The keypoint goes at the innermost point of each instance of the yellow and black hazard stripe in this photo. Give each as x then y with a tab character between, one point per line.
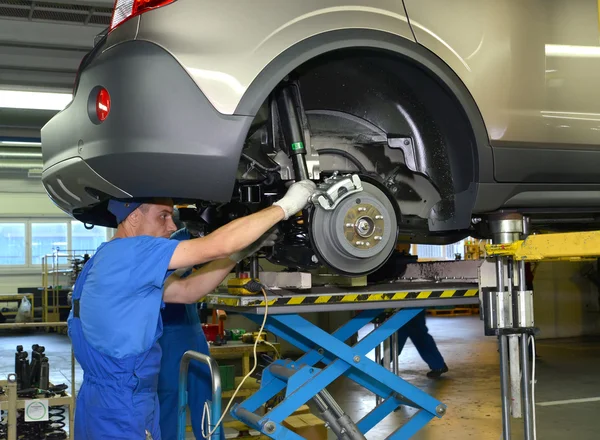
298	300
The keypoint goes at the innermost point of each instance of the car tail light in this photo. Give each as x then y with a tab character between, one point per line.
102	104
126	9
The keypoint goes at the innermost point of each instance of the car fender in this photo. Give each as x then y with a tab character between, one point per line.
320	44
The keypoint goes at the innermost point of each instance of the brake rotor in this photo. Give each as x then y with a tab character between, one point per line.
359	235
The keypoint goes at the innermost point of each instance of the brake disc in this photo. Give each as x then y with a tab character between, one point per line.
356	233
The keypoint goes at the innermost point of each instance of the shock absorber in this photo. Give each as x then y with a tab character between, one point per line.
289	108
290	114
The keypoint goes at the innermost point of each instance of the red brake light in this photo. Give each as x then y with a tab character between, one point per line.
126	9
102	104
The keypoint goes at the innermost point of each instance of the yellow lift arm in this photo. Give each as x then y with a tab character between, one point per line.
571	246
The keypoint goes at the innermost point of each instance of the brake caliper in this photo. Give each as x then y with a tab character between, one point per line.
334	189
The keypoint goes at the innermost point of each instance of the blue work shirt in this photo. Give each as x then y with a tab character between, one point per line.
122	296
174	313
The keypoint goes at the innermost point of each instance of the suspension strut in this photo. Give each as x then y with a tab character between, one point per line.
289	108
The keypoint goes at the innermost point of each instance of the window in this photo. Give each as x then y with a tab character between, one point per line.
429	252
12	244
46	238
23	242
434	252
83	239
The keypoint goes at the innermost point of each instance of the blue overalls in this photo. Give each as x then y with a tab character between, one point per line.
117	399
179	336
416	330
182	331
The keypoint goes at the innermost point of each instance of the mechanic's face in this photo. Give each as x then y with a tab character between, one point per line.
156	219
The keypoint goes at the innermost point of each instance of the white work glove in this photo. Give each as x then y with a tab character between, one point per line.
268	239
296	198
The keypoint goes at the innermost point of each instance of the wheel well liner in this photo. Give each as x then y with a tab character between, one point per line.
409	51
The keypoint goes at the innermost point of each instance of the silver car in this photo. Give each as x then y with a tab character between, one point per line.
418	118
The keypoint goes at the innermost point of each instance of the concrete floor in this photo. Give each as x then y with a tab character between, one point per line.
566	369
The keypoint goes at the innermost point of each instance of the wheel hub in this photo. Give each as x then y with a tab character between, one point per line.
359	234
364	226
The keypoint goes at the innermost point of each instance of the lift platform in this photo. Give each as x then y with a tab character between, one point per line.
305	382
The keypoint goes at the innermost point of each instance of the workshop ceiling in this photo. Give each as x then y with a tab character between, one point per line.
41	46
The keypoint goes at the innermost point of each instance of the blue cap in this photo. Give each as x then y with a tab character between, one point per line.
122	209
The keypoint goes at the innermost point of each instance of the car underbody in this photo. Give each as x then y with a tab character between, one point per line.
398	156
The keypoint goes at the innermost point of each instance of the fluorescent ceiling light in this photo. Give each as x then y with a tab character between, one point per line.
34	100
559	50
20	143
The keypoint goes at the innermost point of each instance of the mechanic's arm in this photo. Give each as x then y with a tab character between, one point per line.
200	283
242	232
191	289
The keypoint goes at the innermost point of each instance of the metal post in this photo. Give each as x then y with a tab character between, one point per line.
500	273
505	387
515	374
510	274
12	407
387	353
395	355
525	378
239	269
378	399
527	402
513	352
215	410
522	281
254	267
504	365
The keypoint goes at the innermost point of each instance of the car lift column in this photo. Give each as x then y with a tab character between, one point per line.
508	313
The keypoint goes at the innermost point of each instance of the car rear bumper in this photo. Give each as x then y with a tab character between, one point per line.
162	137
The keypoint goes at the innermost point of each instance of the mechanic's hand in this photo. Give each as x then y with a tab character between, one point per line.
268	239
296	198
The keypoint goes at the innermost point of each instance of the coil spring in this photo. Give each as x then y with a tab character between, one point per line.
55	426
297	235
50	430
3	425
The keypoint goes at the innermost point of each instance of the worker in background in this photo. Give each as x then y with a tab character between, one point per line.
115	321
416	329
182	331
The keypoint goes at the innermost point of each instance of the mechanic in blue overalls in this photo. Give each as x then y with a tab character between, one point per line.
182	331
115	321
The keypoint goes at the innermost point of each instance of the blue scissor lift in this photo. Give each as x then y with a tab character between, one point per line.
327	356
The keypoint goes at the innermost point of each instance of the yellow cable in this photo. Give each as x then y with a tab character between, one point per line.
245	377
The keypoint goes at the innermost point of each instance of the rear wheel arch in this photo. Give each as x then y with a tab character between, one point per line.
462	111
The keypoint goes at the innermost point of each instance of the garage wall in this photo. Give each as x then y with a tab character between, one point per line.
22	198
566	302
